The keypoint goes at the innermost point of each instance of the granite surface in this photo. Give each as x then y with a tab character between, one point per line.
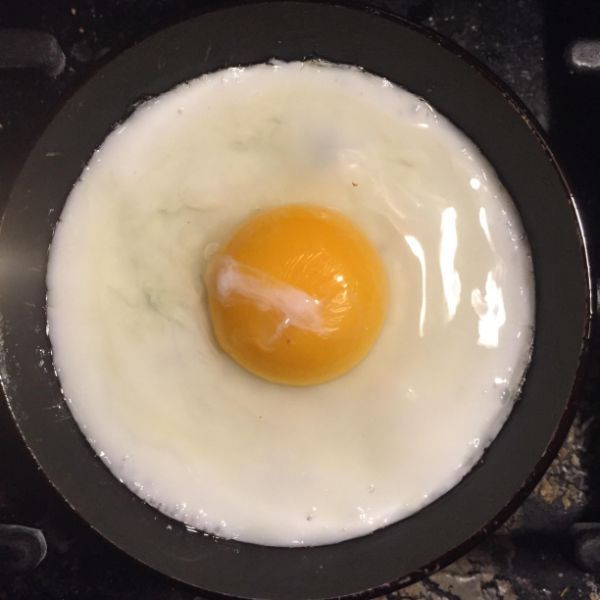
528	557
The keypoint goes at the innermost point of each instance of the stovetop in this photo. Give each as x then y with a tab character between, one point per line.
541	50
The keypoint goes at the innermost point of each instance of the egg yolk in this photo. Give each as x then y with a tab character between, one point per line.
298	295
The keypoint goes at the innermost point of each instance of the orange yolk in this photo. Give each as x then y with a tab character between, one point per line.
298	295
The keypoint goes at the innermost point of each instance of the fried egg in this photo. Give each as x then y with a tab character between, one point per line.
289	303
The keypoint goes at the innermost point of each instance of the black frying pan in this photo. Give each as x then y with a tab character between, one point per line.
470	97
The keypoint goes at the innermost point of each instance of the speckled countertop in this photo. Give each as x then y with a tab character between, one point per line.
524	42
529	556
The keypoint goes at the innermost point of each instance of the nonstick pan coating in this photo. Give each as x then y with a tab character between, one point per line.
465	93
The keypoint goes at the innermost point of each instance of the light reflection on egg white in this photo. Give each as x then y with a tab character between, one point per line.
450	277
364	516
417	249
491	312
475	183
483	223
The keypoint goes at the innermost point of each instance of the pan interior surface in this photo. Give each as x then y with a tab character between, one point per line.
292	31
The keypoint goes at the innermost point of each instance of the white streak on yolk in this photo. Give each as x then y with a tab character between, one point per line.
299	308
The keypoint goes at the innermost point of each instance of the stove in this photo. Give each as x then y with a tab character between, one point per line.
549	53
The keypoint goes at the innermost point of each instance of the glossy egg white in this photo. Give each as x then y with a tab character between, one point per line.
217	448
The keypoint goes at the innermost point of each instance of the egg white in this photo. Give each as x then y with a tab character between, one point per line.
216	447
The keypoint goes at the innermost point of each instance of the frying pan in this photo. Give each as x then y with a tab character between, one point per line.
470	97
